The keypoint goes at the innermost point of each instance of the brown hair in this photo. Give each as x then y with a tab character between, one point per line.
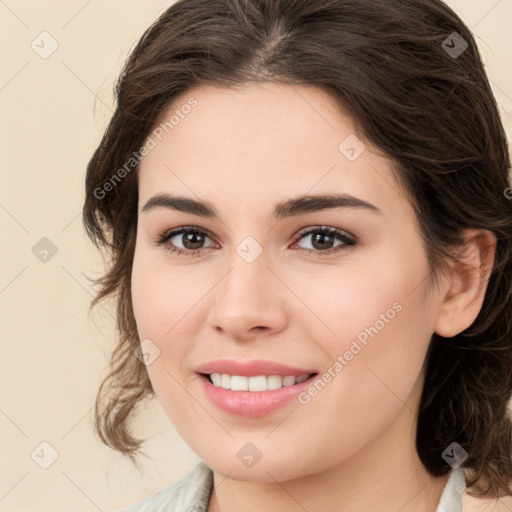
392	67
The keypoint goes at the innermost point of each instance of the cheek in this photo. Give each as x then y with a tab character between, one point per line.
376	322
162	295
158	305
377	295
373	360
167	303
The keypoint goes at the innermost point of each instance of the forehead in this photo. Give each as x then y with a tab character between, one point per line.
261	140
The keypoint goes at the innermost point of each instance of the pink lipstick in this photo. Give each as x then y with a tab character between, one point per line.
252	388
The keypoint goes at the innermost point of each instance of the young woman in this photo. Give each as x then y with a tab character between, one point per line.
308	210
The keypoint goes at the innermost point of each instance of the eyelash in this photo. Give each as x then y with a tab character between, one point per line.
348	241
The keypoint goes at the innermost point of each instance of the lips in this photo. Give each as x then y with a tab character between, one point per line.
238	388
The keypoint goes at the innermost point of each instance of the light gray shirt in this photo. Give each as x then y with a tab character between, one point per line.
191	493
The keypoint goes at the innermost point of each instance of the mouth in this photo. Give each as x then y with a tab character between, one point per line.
252	388
256	383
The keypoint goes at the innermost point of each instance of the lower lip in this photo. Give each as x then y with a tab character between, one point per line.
251	404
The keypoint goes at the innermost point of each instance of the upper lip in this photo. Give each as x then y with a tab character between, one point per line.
252	368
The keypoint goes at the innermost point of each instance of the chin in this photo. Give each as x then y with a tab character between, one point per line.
265	470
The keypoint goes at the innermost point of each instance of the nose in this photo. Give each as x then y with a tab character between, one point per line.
248	301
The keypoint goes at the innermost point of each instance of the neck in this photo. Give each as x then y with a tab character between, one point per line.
387	475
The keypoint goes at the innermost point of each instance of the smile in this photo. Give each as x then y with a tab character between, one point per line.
255	384
252	388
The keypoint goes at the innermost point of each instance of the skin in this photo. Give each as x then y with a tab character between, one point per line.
351	447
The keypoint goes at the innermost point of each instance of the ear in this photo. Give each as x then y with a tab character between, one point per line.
464	293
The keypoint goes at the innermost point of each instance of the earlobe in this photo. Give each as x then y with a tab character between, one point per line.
468	277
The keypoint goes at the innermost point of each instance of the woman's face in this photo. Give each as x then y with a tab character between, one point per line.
267	285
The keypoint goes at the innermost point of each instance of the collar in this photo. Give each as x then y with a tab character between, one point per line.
451	499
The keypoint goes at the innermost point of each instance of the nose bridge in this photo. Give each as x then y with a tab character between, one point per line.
246	298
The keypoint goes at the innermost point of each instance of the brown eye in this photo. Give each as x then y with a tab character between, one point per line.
186	240
323	240
192	240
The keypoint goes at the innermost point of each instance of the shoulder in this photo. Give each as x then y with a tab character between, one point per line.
190	493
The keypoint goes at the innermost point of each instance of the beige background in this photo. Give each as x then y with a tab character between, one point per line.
53	112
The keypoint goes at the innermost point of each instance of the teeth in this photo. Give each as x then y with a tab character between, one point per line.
288	381
216	379
225	381
274	382
239	383
255	384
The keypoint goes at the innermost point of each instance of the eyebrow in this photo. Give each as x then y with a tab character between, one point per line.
292	207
